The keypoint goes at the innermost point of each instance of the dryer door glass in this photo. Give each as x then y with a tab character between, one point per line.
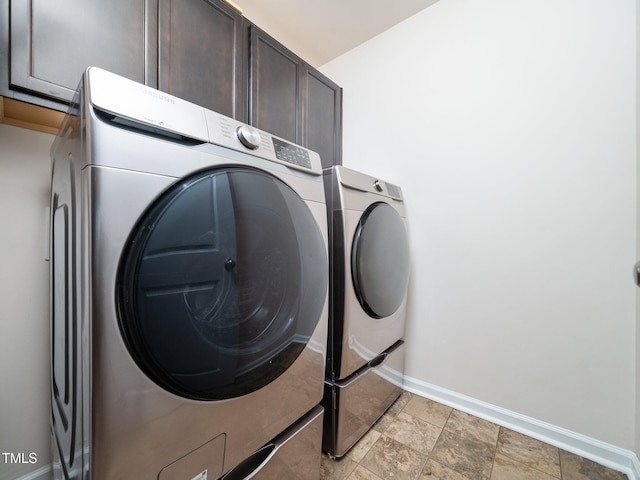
380	260
223	284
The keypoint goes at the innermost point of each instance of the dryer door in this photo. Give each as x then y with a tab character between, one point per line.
223	284
380	260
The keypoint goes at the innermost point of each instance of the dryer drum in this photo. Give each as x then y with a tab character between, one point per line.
223	283
380	260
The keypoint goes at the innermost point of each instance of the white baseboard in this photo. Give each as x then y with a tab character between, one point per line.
43	473
603	453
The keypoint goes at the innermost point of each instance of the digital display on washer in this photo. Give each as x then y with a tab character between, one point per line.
291	153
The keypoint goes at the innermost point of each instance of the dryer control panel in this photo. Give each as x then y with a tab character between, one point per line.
366	183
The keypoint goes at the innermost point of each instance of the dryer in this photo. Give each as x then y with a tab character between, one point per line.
188	292
369	274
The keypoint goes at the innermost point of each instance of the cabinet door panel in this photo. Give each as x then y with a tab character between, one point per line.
323	118
52	43
200	50
275	87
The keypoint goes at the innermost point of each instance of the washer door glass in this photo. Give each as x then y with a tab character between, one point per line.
223	284
380	260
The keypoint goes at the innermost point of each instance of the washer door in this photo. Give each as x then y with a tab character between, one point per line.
380	260
223	284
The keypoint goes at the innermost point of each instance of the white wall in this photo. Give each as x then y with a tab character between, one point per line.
24	303
511	128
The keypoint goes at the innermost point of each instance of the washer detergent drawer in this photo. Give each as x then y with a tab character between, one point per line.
203	463
362	398
295	453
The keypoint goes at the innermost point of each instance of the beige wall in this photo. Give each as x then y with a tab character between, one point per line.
511	128
24	303
637	422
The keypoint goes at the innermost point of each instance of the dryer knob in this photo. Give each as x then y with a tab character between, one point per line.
378	186
248	136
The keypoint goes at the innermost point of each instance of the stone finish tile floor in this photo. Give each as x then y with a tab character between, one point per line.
419	439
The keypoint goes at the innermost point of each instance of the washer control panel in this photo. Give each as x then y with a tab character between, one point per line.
230	133
290	153
138	106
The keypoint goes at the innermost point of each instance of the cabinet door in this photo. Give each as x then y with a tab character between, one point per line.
322	120
291	99
200	54
52	43
275	78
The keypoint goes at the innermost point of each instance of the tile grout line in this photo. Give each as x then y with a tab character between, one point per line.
532	467
426	456
495	452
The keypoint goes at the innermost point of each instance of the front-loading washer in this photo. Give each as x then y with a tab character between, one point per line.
188	292
369	275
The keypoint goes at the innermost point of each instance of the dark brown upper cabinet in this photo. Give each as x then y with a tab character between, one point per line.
322	117
291	99
201	54
52	43
203	51
275	87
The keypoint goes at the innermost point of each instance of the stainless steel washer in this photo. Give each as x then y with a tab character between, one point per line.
188	291
369	274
